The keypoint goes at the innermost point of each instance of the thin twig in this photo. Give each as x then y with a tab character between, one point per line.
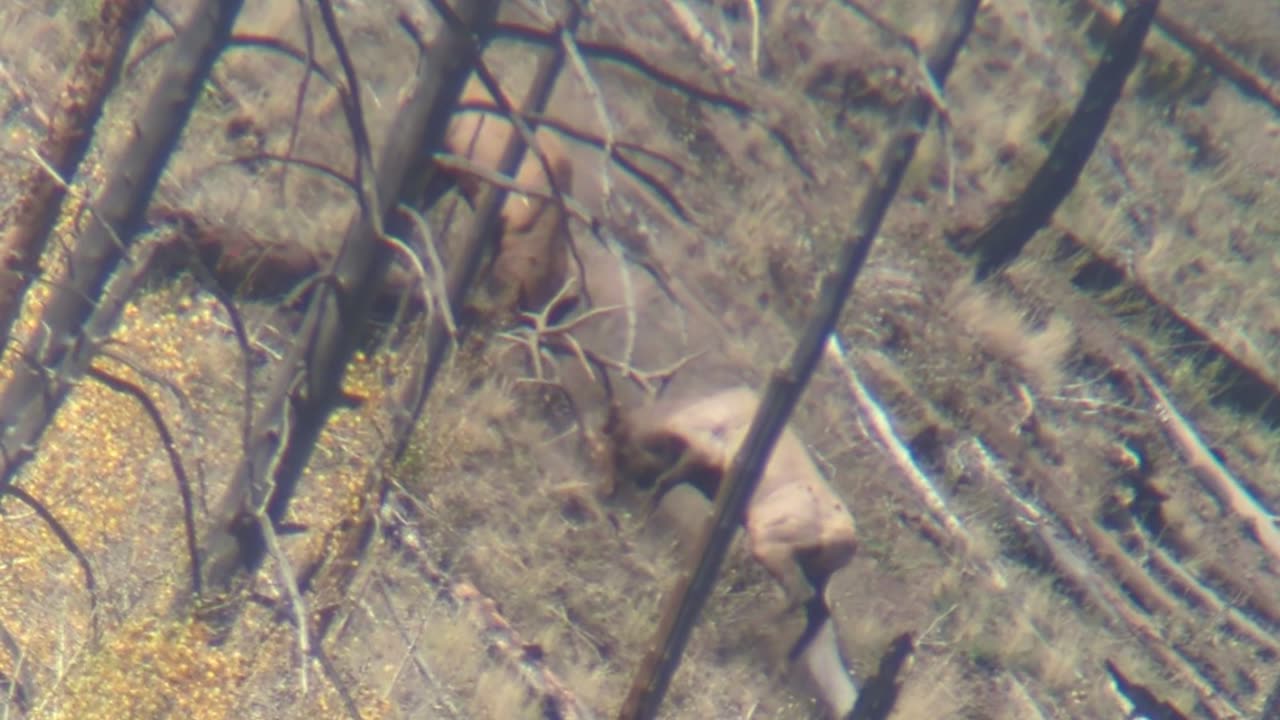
300	99
335	679
135	391
68	542
460	164
352	105
433	284
301	618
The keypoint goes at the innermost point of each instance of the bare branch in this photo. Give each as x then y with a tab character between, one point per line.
61	346
126	387
301	618
353	107
68	543
306	386
301	98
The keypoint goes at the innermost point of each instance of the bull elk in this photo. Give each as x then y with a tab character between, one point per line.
532	252
796	525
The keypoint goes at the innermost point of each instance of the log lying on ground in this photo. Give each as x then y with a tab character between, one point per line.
254	267
524	659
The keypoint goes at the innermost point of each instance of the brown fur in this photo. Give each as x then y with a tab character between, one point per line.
797	526
794	519
532	256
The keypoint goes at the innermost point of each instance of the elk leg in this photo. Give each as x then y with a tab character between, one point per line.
826	671
816	615
687	468
817	651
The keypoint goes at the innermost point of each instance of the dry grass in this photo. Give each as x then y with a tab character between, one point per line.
502	497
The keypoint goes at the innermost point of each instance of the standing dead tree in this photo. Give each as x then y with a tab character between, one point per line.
304	392
61	349
67	138
83	309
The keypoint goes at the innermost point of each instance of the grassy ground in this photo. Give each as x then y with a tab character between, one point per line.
1095	531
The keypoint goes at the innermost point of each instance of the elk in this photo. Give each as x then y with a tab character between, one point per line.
796	525
532	252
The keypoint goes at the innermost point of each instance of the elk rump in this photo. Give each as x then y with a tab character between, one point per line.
795	522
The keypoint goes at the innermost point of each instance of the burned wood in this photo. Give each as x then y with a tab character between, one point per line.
61	349
1144	702
1108	339
1250	82
880	693
1100	592
29	221
306	386
526	659
1167	576
1248	383
1005	237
